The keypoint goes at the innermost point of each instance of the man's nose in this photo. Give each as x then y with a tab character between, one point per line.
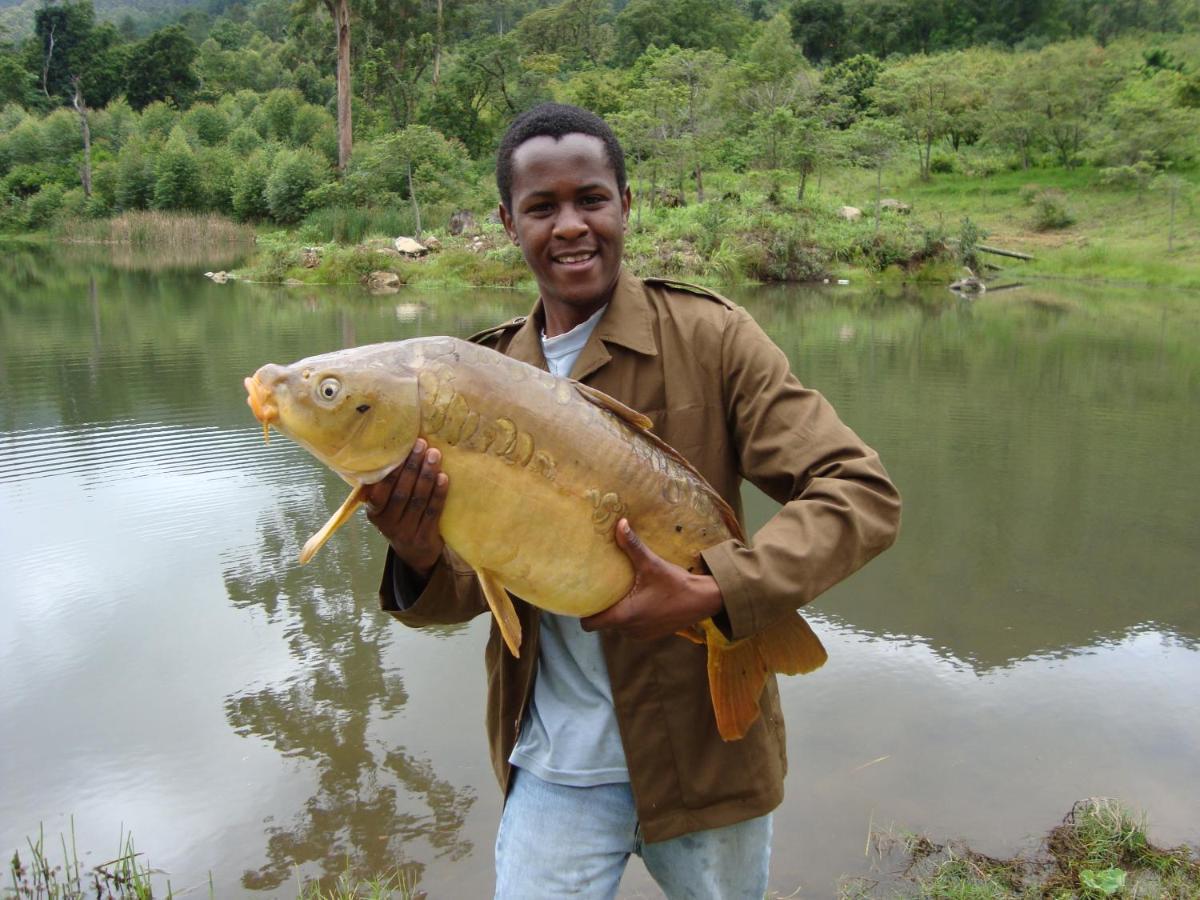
570	223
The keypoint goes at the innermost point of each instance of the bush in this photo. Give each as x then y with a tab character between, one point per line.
43	207
969	236
782	253
158	119
276	115
25	181
135	177
308	122
24	144
217	167
1050	211
248	196
208	123
942	165
293	175
177	182
62	136
244	140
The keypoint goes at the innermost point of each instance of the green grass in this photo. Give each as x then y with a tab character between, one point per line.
34	875
1119	234
1101	849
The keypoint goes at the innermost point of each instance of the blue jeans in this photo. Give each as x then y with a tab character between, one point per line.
557	841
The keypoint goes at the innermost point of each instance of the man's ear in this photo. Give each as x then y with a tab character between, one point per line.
626	204
509	226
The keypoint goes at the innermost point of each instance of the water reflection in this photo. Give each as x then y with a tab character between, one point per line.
356	821
1043	438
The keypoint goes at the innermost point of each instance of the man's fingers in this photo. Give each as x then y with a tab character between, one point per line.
428	527
635	548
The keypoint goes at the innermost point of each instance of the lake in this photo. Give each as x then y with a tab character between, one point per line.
169	670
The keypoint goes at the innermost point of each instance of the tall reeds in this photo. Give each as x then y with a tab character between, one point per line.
171	229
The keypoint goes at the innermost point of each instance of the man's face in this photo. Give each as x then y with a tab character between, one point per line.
568	217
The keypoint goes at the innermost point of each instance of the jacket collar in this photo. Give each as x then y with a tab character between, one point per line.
628	322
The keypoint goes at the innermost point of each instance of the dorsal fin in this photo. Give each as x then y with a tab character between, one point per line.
642	426
616	407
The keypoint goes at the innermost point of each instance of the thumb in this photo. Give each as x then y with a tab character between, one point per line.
635	548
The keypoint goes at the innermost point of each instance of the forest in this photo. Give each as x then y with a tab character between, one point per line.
350	117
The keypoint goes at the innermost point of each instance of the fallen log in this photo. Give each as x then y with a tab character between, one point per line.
1000	251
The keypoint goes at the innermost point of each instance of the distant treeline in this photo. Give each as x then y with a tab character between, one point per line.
234	109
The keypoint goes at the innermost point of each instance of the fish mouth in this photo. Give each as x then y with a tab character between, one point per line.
260	399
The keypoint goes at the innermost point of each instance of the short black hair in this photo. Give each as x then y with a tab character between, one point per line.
554	120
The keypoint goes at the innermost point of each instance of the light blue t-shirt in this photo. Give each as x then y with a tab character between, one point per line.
570	734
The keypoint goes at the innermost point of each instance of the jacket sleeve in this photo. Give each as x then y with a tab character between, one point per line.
451	595
840	509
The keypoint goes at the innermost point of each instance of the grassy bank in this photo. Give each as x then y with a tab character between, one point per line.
1076	223
1101	849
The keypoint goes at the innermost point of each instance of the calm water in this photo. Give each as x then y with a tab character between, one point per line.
167	668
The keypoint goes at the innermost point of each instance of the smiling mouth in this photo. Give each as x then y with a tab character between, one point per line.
569	258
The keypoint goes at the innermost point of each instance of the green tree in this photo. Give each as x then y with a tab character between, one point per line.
135	177
872	143
819	27
209	124
1145	123
294	174
160	68
417	162
694	73
690	24
922	94
844	92
576	30
1074	81
248	194
177	182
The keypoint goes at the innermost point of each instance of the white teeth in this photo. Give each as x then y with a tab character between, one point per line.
574	258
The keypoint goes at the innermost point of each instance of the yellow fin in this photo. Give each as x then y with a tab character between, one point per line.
736	675
738	670
790	647
502	609
336	521
616	407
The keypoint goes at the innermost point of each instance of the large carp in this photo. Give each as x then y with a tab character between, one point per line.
541	468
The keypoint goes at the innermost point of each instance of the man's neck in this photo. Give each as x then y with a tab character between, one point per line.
561	318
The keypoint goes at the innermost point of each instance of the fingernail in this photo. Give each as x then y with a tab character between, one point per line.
625	529
419	447
435	456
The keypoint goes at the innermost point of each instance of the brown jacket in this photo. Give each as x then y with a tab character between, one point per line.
721	393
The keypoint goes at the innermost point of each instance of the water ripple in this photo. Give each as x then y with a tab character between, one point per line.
134	447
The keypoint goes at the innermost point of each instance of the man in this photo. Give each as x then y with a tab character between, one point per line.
602	732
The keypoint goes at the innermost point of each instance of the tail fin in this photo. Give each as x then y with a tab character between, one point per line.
738	670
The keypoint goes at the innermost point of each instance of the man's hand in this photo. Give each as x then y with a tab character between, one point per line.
664	599
407	505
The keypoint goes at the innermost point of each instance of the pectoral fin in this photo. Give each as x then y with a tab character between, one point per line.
336	521
502	609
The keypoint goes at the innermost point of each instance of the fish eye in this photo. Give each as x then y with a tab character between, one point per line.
329	388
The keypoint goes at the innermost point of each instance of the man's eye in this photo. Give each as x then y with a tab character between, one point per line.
592	200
